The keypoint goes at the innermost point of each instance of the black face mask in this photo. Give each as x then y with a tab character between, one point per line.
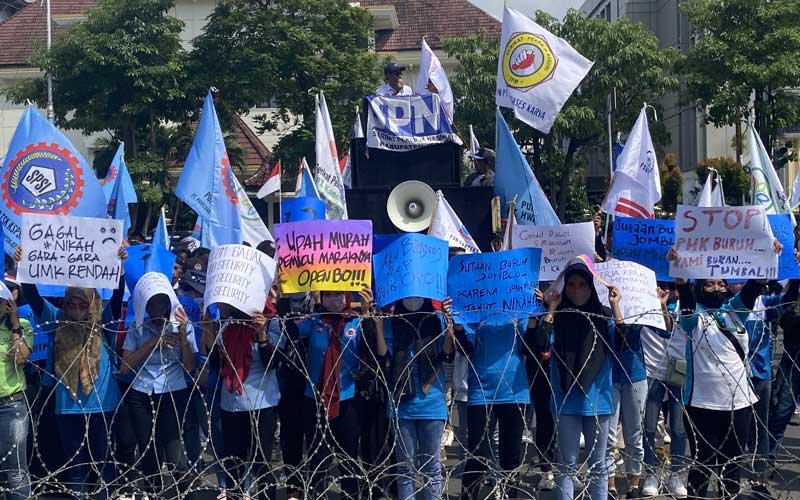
712	300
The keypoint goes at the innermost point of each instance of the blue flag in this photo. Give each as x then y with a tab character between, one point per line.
514	178
300	208
206	182
143	259
118	206
618	147
161	236
118	170
305	182
43	173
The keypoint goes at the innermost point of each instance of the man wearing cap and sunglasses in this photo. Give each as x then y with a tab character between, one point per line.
393	76
483	175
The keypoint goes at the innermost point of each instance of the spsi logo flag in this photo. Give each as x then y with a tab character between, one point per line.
44	174
536	72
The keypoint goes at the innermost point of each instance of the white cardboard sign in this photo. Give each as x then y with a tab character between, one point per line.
70	251
559	244
239	276
637	285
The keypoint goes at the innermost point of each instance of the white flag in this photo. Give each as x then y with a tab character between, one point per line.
718	196
446	225
273	182
254	231
474	145
536	72
636	185
796	191
767	187
705	200
328	176
430	68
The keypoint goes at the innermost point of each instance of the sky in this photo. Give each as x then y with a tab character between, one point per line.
556	8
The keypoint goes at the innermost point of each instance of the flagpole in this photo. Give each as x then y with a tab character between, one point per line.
50	110
511	216
433	214
612	98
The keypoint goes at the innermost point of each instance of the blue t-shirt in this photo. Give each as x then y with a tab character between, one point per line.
594	401
628	364
759	335
260	389
317	333
431	406
161	370
104	397
496	367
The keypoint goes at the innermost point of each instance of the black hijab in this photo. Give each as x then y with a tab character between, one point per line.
580	341
419	328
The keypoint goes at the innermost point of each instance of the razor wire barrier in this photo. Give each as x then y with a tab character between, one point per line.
181	442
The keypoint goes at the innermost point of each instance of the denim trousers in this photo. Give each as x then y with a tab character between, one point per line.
628	401
595	434
417	454
785	390
677	431
14	425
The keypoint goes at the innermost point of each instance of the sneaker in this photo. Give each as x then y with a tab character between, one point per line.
761	491
547	482
223	495
676	487
650	486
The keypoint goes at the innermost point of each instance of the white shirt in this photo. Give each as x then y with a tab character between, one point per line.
386	90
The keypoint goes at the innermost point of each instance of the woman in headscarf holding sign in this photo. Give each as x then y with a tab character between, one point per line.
581	332
160	349
247	361
331	419
416	341
87	393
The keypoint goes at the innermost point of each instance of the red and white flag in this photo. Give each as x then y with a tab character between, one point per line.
636	185
273	182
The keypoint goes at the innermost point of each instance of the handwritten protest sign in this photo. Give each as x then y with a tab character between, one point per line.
637	285
331	255
149	285
414	265
480	284
239	276
79	251
783	231
723	242
558	244
644	241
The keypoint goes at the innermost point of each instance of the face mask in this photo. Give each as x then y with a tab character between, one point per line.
299	304
333	303
413	303
713	300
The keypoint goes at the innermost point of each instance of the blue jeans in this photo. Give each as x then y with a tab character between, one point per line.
13	450
84	438
595	433
677	431
758	441
628	402
784	394
418	452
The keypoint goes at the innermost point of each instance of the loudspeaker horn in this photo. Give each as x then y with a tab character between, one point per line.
410	206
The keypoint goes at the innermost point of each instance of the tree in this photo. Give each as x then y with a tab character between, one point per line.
746	55
281	52
626	57
671	184
735	181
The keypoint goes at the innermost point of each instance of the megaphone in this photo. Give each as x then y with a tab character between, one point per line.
410	206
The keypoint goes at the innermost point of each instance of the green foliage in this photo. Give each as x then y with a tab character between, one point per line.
280	53
735	180
626	57
671	184
744	48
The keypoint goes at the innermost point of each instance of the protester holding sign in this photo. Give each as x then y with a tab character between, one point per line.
159	348
86	392
497	390
416	340
583	333
718	401
334	349
246	357
16	343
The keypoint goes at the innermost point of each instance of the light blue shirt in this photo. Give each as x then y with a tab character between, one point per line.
162	370
104	397
260	389
318	334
